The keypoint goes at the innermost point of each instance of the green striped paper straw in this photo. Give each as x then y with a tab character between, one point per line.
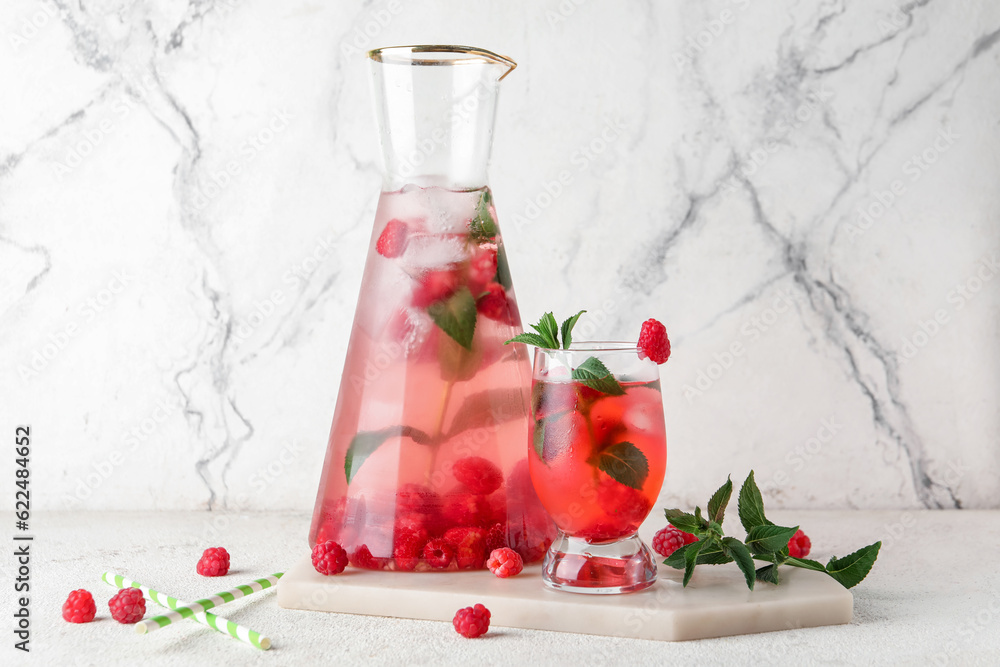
189	610
205	618
234	630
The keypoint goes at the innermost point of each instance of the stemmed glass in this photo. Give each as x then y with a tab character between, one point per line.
597	456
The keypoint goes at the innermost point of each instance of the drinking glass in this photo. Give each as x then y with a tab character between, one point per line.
597	456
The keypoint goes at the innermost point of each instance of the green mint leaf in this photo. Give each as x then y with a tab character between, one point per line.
548	330
482	227
625	463
751	505
676	559
365	443
567	329
538	439
527	339
805	564
736	550
691	560
853	568
503	269
596	375
717	505
768	573
712	553
456	316
488	408
769	539
683	521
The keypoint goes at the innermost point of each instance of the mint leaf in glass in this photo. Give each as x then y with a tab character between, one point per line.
624	463
365	443
456	316
482	227
594	374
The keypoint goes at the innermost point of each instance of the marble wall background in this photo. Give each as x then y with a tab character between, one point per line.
805	192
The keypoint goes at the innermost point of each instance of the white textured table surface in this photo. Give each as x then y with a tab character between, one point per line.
933	598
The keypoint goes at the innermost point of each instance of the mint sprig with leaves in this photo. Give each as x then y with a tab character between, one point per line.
592	372
765	542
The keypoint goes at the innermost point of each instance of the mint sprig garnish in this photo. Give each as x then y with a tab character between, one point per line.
765	542
591	373
548	333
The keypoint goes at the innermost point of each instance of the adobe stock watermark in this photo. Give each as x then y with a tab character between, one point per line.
914	168
31	25
293	279
799	457
221	178
751	330
958	297
140	432
581	159
758	156
703	39
564	10
362	37
259	481
86	312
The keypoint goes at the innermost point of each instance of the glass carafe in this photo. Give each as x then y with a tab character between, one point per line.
426	466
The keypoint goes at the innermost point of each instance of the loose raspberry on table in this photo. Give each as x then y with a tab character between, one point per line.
472	622
409	544
392	241
439	553
493	303
329	558
127	606
479	475
505	563
79	607
653	342
214	562
670	539
435	286
495	538
799	545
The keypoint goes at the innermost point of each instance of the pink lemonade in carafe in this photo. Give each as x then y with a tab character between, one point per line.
426	464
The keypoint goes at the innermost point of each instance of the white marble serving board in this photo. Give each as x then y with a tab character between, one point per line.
715	604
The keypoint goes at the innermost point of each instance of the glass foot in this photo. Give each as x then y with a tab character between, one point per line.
575	565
